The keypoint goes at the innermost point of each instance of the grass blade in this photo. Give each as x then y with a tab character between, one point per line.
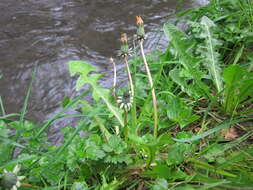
77	130
10	115
25	105
211	131
58	115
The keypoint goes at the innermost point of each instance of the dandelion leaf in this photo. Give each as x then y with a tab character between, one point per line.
182	45
180	112
85	77
210	51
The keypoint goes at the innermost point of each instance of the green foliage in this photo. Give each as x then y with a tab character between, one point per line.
177	153
79	186
83	69
182	45
179	112
109	186
204	87
181	78
93	149
239	87
5	147
160	184
210	52
116	148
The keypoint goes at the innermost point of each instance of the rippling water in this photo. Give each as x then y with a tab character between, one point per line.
51	32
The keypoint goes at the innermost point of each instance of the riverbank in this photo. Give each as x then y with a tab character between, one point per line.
184	122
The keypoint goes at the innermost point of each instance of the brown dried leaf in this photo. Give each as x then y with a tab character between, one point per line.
231	133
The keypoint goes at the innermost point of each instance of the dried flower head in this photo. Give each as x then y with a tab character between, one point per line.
125	101
124	50
123	38
139	20
140	34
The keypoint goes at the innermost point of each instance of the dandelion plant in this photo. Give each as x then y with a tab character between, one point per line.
140	38
125	54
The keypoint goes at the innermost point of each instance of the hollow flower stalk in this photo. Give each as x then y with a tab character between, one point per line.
140	38
125	101
125	53
114	77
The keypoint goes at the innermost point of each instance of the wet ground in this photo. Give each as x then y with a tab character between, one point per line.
52	32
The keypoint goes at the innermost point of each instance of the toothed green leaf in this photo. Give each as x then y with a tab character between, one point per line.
182	45
85	77
210	52
180	112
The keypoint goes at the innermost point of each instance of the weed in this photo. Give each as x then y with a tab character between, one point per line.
203	86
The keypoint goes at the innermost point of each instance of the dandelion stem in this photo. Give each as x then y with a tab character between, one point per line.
114	78
132	94
129	76
152	88
125	126
134	115
2	107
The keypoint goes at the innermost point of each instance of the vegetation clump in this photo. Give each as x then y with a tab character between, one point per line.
183	124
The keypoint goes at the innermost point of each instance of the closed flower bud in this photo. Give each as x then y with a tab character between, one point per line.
140	29
124	50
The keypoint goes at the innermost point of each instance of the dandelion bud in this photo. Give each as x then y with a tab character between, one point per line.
124	50
123	38
140	29
139	20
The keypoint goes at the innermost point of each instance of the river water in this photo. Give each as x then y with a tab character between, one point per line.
52	32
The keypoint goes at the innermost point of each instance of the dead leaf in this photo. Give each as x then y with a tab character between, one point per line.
231	133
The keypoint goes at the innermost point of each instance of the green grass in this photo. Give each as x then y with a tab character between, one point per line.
203	85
